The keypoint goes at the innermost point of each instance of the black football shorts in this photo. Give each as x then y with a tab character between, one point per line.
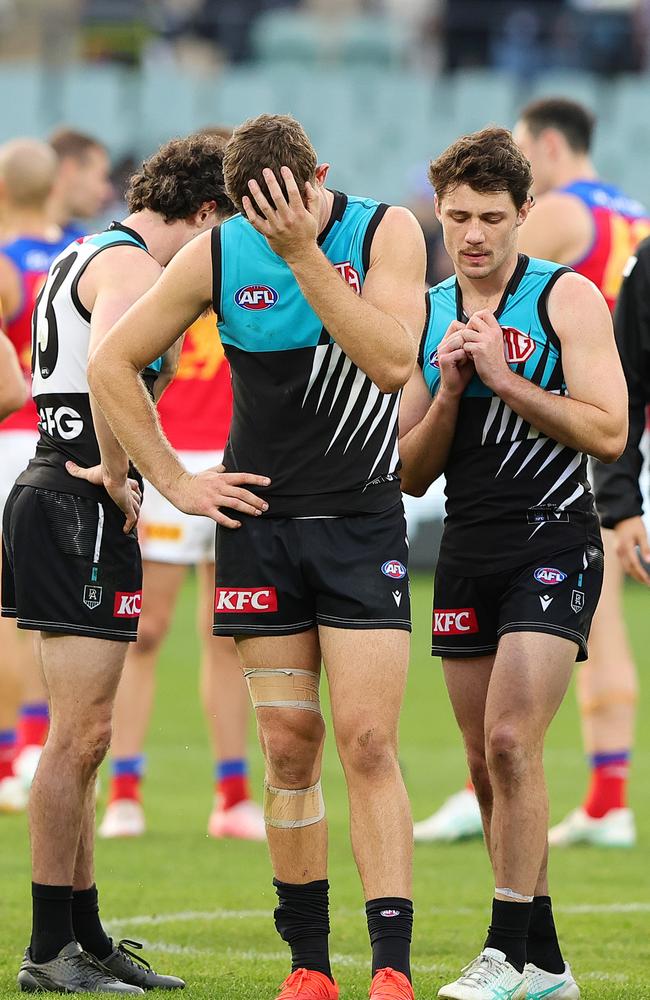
68	567
281	576
559	596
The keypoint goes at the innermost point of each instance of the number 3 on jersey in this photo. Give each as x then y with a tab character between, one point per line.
45	333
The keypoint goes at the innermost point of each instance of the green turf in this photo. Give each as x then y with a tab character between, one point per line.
177	870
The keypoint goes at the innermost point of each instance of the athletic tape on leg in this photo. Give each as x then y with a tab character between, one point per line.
284	689
511	894
605	701
293	808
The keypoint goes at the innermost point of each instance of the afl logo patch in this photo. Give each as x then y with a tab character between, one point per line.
433	359
549	576
519	347
394	569
256	297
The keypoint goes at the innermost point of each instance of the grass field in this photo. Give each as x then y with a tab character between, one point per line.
203	908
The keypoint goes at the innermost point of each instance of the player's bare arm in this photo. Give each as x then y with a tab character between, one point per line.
427	427
592	418
378	330
147	331
558	227
13	391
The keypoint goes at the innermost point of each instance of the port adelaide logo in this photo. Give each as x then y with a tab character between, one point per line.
256	297
92	596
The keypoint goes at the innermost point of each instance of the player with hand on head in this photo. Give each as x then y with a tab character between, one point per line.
319	299
69	522
30	242
504	405
583	221
195	414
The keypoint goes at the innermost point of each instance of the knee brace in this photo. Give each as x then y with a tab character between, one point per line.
290	688
293	808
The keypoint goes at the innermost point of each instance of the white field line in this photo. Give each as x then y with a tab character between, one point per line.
188	916
339	961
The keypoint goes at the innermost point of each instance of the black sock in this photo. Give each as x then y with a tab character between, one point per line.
51	920
509	930
543	945
87	926
390	925
302	920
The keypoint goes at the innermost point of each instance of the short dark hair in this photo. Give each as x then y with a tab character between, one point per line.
267	141
67	142
487	161
573	120
180	177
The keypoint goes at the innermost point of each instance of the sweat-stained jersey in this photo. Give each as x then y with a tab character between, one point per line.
513	494
61	335
303	413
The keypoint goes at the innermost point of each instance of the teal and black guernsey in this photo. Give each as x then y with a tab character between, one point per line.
303	413
514	496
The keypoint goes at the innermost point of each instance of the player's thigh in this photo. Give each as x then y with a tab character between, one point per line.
366	672
161	584
82	675
468	681
529	679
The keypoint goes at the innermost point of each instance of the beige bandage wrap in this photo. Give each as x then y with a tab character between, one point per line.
293	808
284	689
604	701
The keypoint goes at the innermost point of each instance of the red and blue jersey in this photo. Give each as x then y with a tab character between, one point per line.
32	258
619	225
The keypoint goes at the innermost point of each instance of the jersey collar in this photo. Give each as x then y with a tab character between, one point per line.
338	210
127	229
510	289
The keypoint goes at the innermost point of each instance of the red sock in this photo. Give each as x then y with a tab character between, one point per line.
233	790
470	785
608	788
125	786
33	725
7	753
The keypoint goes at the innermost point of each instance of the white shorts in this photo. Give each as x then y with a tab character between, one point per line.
168	535
16	449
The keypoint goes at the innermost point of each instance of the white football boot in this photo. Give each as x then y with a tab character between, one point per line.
26	763
245	821
13	795
457	819
488	977
543	984
123	818
615	829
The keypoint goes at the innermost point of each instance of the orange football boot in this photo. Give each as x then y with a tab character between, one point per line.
305	984
388	984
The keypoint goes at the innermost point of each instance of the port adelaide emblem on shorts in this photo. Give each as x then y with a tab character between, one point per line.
549	576
92	596
577	601
394	569
256	297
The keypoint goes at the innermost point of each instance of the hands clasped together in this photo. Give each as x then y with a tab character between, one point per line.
473	347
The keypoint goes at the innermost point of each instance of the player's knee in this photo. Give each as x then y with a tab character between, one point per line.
478	769
507	748
152	629
367	753
83	748
292	741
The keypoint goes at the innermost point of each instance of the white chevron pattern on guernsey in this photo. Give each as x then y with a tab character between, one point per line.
571	467
373	396
533	451
334	359
389	431
549	458
355	391
579	490
378	415
347	364
489	420
505	417
394	459
320	353
518	422
511	451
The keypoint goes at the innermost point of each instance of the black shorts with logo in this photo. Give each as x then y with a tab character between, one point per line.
281	576
68	567
559	596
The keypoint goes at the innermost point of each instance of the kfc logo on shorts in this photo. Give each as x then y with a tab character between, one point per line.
256	297
349	274
518	346
549	576
238	600
127	605
394	569
454	621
